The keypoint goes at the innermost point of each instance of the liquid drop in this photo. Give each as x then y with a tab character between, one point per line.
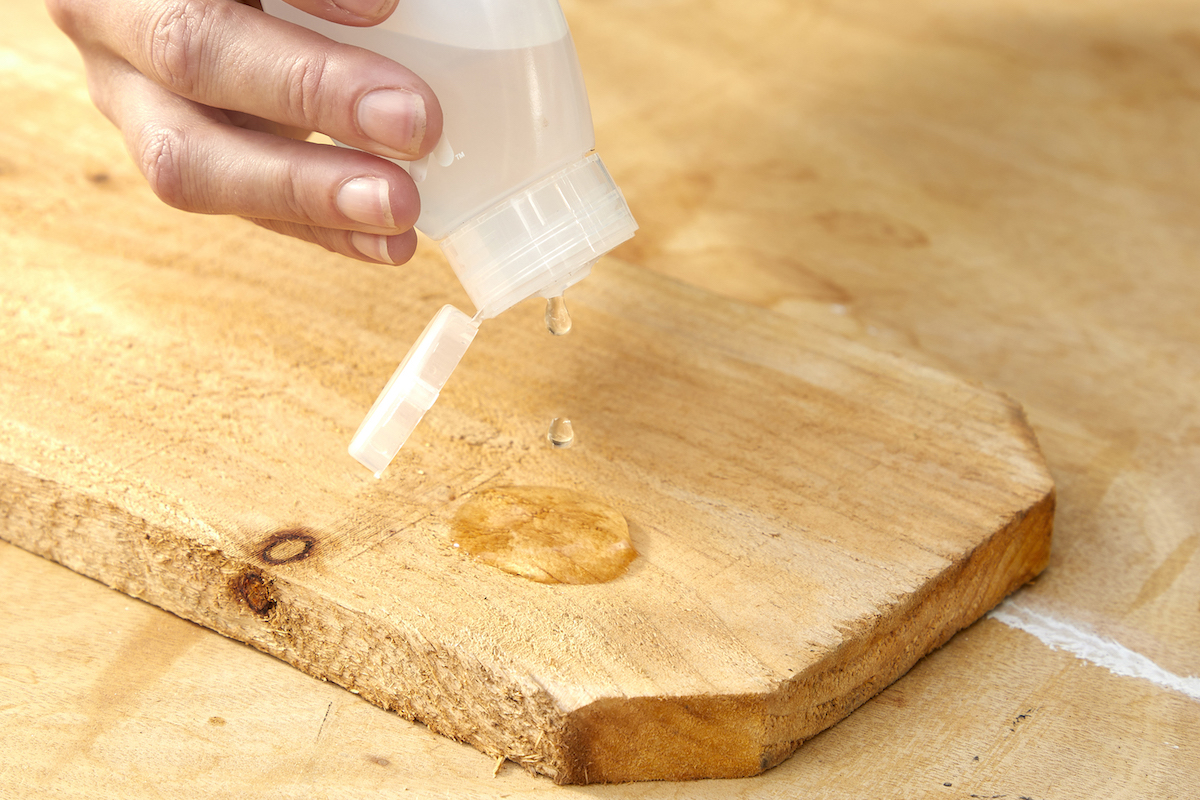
562	434
545	534
558	319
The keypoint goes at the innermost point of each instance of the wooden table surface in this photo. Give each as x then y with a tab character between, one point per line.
1009	191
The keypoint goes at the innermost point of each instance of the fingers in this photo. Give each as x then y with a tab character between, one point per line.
344	12
194	159
379	248
211	96
231	56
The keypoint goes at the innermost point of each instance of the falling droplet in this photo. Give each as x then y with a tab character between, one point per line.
562	433
558	319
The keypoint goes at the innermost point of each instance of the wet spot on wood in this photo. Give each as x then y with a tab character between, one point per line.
379	760
217	721
545	534
99	178
287	546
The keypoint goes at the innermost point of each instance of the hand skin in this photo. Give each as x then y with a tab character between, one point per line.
214	99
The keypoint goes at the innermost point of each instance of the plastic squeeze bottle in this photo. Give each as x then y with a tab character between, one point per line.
513	192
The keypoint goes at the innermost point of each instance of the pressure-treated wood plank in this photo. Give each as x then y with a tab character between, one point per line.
812	515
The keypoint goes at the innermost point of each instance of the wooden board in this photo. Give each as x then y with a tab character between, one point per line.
812	516
1045	157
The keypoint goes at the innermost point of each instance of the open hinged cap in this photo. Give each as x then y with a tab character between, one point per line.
413	388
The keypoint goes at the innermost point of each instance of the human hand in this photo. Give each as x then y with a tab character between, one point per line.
214	98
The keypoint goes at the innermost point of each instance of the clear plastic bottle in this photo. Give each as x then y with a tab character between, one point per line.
513	193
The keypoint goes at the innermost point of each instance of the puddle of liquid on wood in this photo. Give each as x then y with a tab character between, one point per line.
545	534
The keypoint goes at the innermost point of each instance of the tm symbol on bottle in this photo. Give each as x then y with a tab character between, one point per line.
459	156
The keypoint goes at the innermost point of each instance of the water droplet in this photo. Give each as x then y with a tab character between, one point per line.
558	319
562	433
545	534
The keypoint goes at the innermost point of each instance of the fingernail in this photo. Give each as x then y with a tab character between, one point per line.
394	119
367	9
372	245
366	200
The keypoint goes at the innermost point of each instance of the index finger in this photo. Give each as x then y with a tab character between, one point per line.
231	56
344	12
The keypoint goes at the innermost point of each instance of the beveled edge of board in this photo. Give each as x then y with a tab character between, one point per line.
618	740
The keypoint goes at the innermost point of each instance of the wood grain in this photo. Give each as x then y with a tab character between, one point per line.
997	189
813	516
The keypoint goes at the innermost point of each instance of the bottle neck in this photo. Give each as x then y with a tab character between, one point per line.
541	239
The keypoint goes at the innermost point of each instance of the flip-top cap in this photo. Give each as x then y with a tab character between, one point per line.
413	388
540	239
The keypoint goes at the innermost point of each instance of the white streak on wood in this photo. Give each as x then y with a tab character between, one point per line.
1091	647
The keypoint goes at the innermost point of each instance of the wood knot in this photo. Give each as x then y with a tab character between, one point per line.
254	590
287	546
